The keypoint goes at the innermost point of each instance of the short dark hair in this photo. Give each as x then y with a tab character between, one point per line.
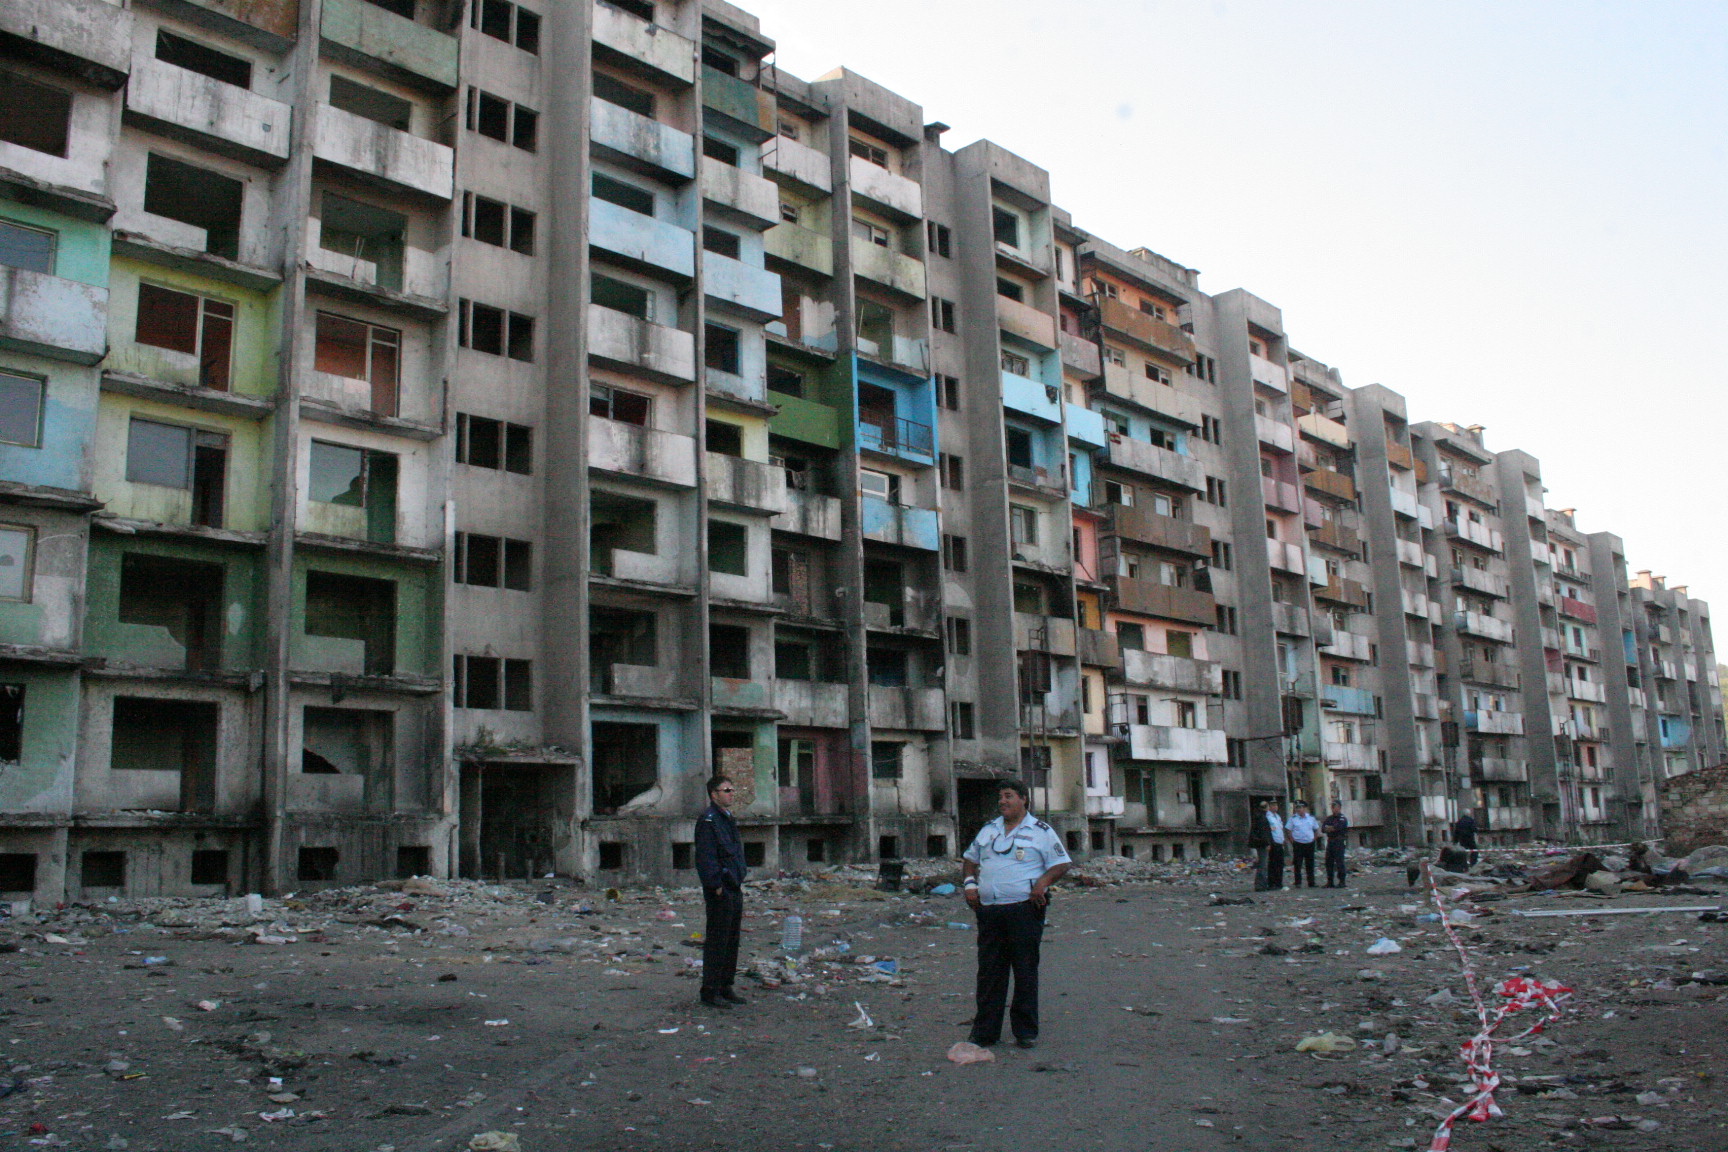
715	781
1013	786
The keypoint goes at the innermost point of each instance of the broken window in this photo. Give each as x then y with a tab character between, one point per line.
204	199
355	478
494	222
728	548
318	865
31	249
885	759
209	866
371	104
1023	524
719	61
21	405
621	296
505	21
1005	225
867	151
493	562
729	651
502	120
194	325
201	58
34	115
786	381
356	350
887	667
159	734
346	742
615	91
638	200
626	763
793	660
875	327
486	443
720	150
371	236
102	870
623	523
355	608
11	723
721	242
1019	446
17	545
725	437
495	331
182	597
492	682
720	348
18	873
1029	598
620	636
620	405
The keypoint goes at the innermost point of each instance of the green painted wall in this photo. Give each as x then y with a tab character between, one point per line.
256	324
242	602
42	779
82	248
246	506
419	612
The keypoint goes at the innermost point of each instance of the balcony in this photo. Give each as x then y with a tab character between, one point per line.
1290	619
641	144
745	287
384	155
1404	504
642	453
899	196
1146	330
1481	581
907	709
1576	609
642	46
1052	634
52	317
1034	398
1152	599
1349	646
1338	698
1286	557
1324	429
1415	603
1268	374
647	241
1399	456
809	514
1173	673
1636	698
1180	745
1365	813
1337	536
640	681
798	163
1509	818
1105	807
743	695
1421	654
746	108
1119	380
1586	690
84	37
896	436
1349	757
1142	526
811	704
1495	723
1099	649
903	351
358	32
1476	487
739	195
1492	769
1476	624
1477	533
798	245
888	269
1582	651
897	524
1280	494
1079	355
222	117
1150	460
1479	671
748	485
1674	731
620	340
1274	433
1333	484
1026	322
1085	425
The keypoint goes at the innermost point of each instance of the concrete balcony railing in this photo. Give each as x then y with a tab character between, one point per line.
1576	609
1477	533
1479	671
52	316
1150	460
1285	557
1274	433
1498	769
642	681
619	339
1586	690
1105	807
1290	619
84	37
1328	483
1349	646
1339	698
1349	756
1636	698
1476	624
810	514
376	152
1280	494
812	704
749	485
1324	429
1144	527
1026	322
421	274
1173	673
1336	535
1146	330
888	269
1365	813
1421	654
1415	603
627	37
647	240
897	524
1033	397
1476	487
1265	372
1099	648
642	144
1399	456
221	117
728	692
799	163
1425	705
1152	599
1404	504
739	195
745	107
411	52
1085	425
917	610
1052	634
745	287
645	453
907	709
900	196
1495	723
1544	591
802	246
1079	355
1509	818
1181	745
1478	580
1129	384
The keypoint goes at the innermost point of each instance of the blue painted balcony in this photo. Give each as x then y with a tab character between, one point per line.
1341	699
642	239
1034	398
637	142
52	316
898	524
897	436
1086	426
751	290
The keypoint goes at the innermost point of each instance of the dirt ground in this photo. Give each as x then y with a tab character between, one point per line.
570	1021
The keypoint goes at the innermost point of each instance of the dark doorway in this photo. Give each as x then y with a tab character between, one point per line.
977	806
518	812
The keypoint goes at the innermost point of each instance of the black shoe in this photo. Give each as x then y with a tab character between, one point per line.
980	1043
1026	1042
716	1000
732	997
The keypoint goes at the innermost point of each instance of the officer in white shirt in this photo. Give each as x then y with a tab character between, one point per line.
1009	868
1304	830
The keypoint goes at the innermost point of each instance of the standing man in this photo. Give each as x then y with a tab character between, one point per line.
1259	839
720	867
1274	850
1464	835
1009	868
1337	829
1304	831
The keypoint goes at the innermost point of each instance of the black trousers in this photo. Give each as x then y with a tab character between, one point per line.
1009	936
1275	866
1302	861
720	938
1260	868
1335	863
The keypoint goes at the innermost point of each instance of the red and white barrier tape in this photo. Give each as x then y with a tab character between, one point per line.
1517	994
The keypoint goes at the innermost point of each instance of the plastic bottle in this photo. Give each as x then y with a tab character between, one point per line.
792	933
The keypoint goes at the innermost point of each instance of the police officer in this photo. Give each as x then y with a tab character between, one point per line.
1009	868
720	867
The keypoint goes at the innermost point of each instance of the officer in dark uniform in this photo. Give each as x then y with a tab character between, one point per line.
720	866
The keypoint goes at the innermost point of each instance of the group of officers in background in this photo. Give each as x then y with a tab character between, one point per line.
1272	835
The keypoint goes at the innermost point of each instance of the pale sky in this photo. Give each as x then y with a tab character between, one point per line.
1514	213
